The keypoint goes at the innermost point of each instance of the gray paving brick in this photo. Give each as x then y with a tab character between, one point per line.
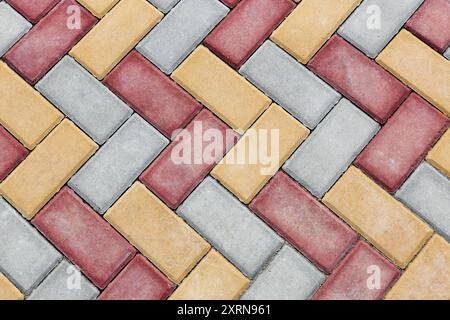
12	27
84	99
290	84
289	276
118	163
181	30
369	37
25	256
447	53
229	226
427	192
331	148
65	282
164	5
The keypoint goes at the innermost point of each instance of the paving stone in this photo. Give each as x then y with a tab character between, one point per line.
194	19
65	282
258	18
438	156
375	22
229	226
289	276
231	3
381	219
307	224
8	291
139	280
84	99
172	179
23	111
354	75
222	90
12	153
173	247
427	277
12	27
363	274
103	47
427	192
431	23
33	10
98	7
310	25
47	168
417	65
447	53
244	176
164	5
157	98
290	84
128	152
214	278
331	148
84	237
34	55
402	143
25	256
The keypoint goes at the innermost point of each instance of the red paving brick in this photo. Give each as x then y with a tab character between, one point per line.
11	153
33	10
353	278
303	221
139	280
402	143
152	94
359	78
245	29
172	182
231	3
34	55
431	23
84	237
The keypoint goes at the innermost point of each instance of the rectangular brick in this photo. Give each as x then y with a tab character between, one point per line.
173	247
47	168
289	276
354	75
331	148
8	291
25	256
231	3
258	18
221	89
98	7
310	25
402	143
157	98
104	46
214	278
34	54
438	156
420	67
33	10
24	112
193	19
229	226
380	218
164	5
84	237
290	84
84	99
128	152
307	224
12	27
171	180
12	153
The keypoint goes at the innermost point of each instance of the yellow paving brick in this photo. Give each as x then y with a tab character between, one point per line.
428	276
420	67
157	232
310	25
23	111
47	168
214	278
439	156
98	7
380	218
8	291
246	177
231	97
115	35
